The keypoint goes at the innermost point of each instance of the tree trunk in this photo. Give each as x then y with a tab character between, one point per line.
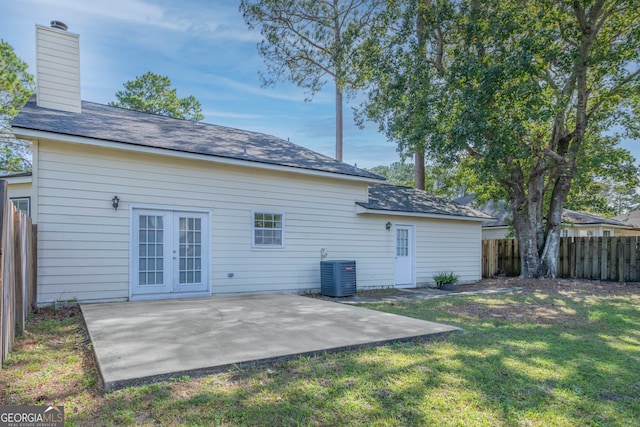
539	234
524	222
338	123
419	176
549	258
421	33
526	205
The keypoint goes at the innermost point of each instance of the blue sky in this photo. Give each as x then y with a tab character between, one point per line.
206	49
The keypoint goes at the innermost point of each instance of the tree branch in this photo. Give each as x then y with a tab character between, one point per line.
614	91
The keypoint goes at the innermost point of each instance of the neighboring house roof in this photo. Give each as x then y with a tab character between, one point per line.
579	218
16	175
107	123
499	211
630	218
502	212
406	199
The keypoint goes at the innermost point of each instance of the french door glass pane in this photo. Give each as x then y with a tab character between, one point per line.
190	250
150	260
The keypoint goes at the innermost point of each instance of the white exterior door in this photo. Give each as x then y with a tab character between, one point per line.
404	256
170	254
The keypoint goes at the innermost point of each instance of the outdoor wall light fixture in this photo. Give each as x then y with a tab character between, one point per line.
388	225
115	202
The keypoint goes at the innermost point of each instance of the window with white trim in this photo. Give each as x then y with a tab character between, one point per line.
23	204
564	232
268	230
606	233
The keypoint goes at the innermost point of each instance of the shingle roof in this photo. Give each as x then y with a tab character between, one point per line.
16	175
406	199
630	218
109	123
584	218
502	212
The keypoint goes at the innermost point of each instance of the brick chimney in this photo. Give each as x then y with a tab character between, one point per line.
58	68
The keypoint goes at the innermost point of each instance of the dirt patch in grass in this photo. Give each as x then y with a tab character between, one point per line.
554	286
531	313
541	306
47	313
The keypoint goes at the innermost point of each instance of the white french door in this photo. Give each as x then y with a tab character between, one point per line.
170	253
404	271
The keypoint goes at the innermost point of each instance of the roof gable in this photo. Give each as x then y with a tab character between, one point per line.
107	123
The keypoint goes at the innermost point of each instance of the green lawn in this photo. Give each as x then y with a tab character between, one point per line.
553	357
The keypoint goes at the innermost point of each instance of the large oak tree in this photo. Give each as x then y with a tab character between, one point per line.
528	93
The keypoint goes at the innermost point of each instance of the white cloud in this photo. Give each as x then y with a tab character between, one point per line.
217	20
135	11
296	95
231	115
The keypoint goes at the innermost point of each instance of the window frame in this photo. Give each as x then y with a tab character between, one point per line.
254	228
27	198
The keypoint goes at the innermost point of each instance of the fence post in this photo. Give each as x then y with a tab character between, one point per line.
573	256
563	262
595	270
33	261
621	261
17	273
603	258
627	259
633	259
3	253
7	296
585	258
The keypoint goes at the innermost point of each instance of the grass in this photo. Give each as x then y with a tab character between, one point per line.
527	359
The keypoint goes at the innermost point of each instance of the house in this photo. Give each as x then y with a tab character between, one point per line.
133	206
631	219
574	224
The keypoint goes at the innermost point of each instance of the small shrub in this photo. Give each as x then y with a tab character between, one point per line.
444	278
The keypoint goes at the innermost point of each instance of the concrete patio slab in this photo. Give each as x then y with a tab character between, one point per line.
147	341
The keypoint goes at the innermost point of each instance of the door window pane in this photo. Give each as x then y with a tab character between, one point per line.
150	261
190	250
402	242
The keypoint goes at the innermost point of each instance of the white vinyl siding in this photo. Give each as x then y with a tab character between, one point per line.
446	245
268	230
84	244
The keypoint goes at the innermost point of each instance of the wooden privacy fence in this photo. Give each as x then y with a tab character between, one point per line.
600	258
17	271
